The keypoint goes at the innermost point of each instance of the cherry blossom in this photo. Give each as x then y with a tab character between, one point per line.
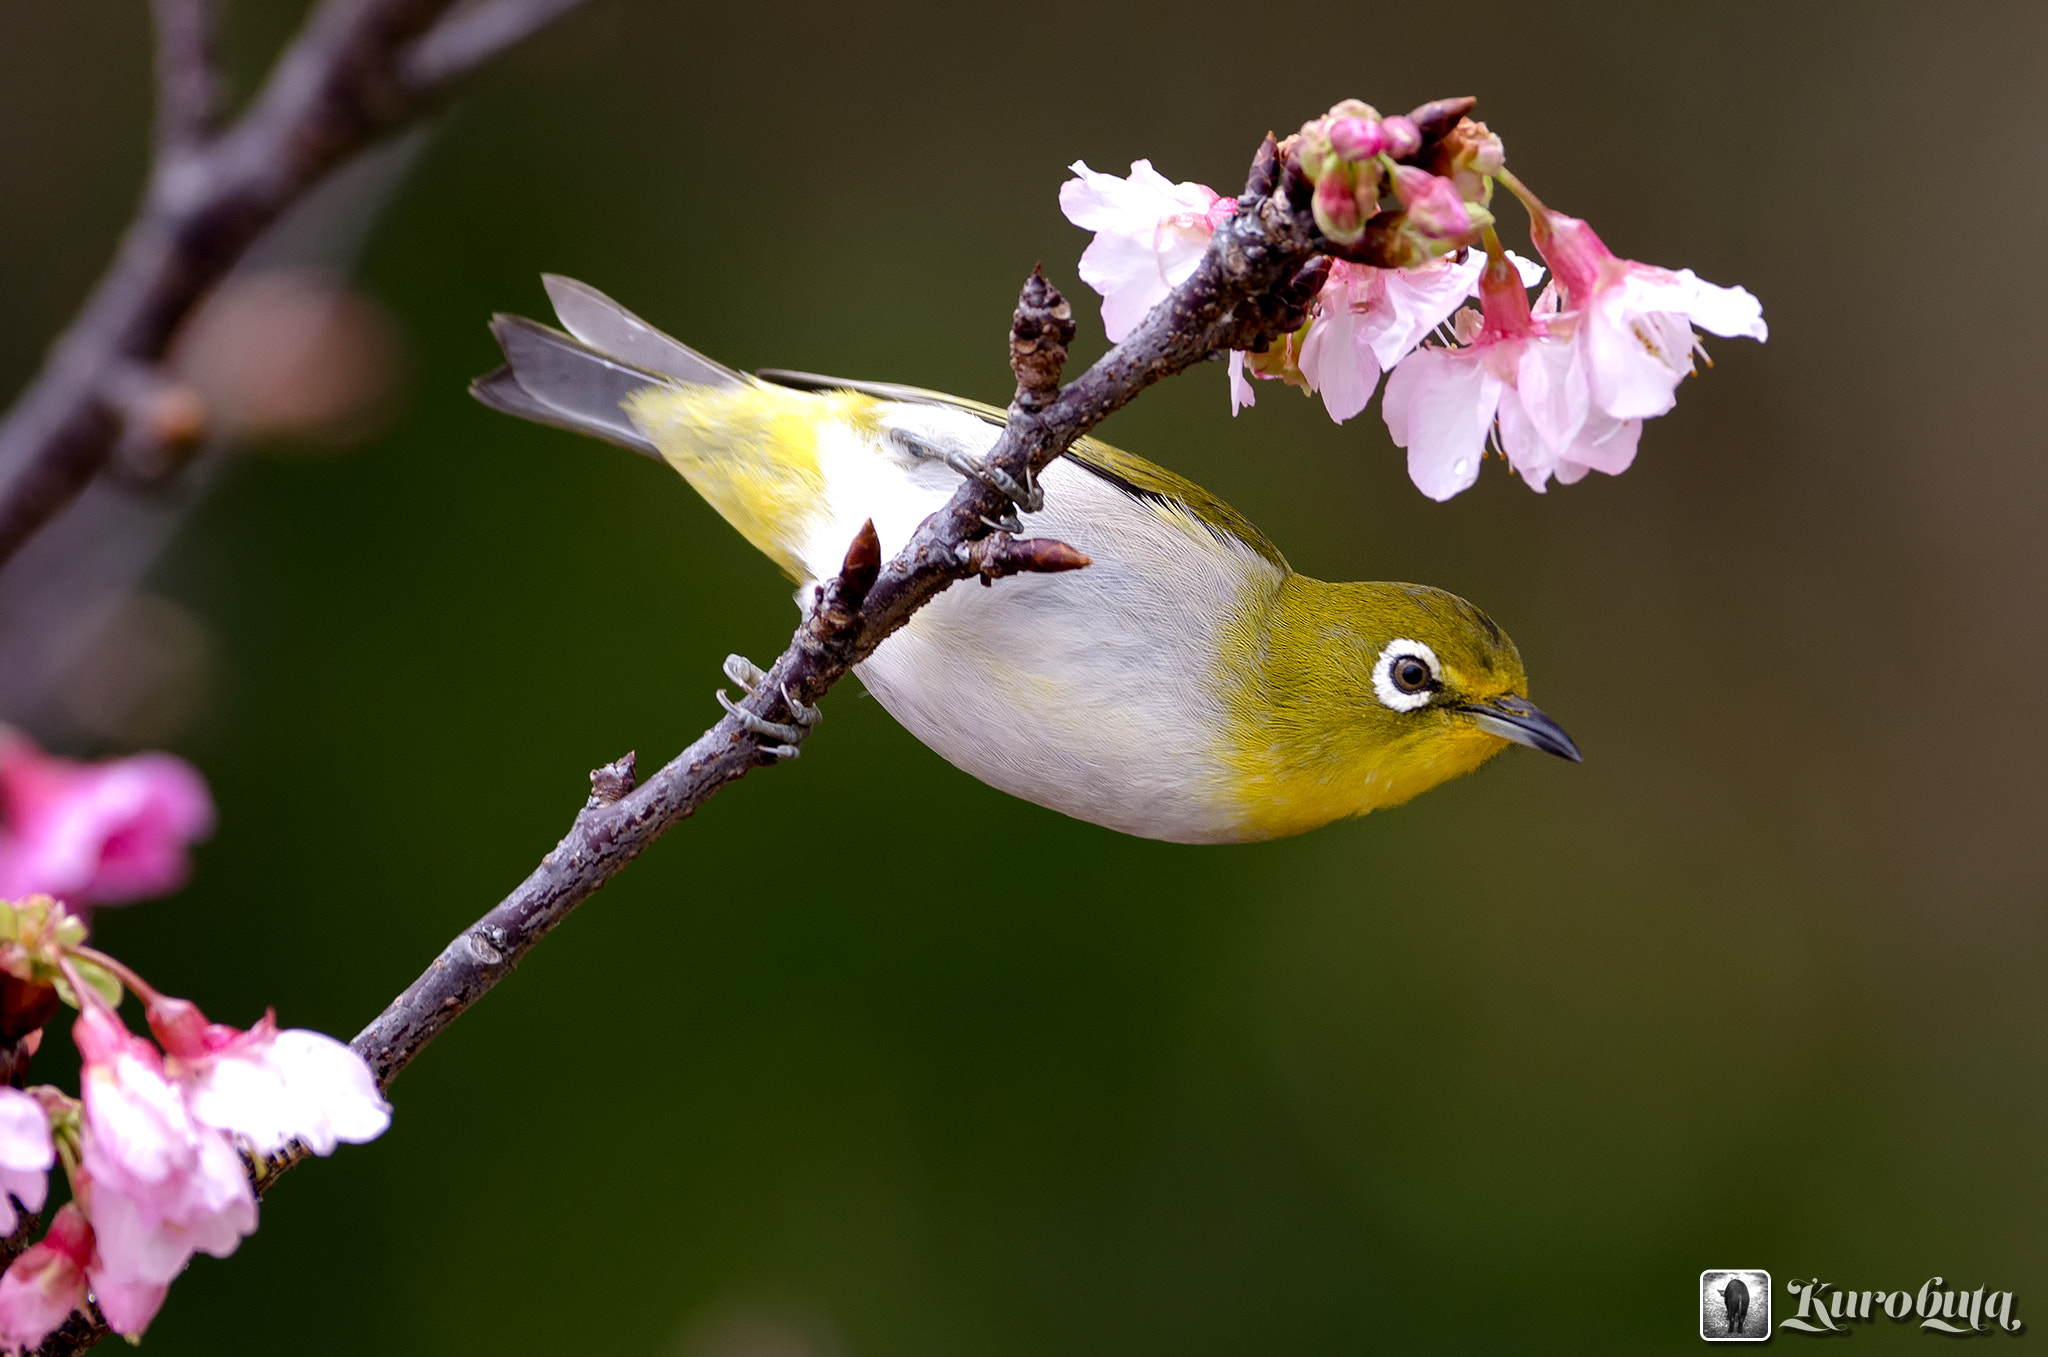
47	1282
1635	320
96	833
1149	235
1366	319
1514	370
26	1154
160	1184
266	1086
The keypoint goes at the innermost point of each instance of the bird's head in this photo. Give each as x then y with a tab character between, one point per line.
1370	694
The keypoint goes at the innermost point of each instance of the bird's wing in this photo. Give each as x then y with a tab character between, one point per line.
1133	475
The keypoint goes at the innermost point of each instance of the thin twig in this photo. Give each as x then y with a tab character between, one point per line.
339	85
472	36
188	85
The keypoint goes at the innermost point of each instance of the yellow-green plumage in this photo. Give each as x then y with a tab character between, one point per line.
1187	685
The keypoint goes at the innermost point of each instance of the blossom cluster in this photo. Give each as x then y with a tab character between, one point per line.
1559	388
154	1146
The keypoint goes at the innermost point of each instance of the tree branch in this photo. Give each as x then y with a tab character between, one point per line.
471	36
188	89
1262	268
356	70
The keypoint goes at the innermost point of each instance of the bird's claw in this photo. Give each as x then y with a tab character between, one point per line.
745	672
768	730
750	676
1024	494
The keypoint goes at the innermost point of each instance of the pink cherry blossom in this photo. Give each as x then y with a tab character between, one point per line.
96	833
1635	320
1367	319
47	1282
162	1184
1517	371
1149	235
267	1086
26	1154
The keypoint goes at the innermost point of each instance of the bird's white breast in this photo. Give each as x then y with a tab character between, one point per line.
1095	692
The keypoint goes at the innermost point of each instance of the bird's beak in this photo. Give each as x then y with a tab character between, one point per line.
1519	719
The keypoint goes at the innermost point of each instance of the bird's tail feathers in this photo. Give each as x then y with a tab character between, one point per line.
581	380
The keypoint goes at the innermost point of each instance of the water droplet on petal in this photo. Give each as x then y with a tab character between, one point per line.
1462	466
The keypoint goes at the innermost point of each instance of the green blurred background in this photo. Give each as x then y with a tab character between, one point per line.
1759	985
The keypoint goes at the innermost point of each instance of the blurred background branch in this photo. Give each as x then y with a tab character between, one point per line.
358	70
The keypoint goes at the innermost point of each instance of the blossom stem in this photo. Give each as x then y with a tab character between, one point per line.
1534	205
122	972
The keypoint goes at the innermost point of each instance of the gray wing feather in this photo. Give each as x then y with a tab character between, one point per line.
888	391
580	380
502	392
558	381
611	329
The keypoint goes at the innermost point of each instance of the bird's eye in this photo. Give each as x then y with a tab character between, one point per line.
1405	674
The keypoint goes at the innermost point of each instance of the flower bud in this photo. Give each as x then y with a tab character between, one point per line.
1435	211
1468	155
1404	138
1312	152
1336	207
1470	146
1353	108
1357	138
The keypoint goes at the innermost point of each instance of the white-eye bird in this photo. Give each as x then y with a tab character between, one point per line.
1188	685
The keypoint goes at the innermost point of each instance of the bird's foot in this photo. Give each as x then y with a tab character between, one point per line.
1024	494
788	736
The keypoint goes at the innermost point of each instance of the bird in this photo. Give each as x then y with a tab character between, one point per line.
1187	685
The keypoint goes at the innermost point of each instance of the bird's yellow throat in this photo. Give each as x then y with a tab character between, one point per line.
1308	737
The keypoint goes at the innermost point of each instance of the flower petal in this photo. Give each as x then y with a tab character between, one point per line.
1241	394
1633	359
1439	405
1338	362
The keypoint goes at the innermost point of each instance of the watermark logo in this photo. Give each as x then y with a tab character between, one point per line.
1827	1308
1735	1305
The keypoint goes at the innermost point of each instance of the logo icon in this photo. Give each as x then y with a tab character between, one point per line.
1735	1305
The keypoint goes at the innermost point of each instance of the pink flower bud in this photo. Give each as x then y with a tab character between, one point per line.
1336	209
1357	139
1404	138
1435	211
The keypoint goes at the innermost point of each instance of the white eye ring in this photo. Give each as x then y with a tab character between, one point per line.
1383	687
